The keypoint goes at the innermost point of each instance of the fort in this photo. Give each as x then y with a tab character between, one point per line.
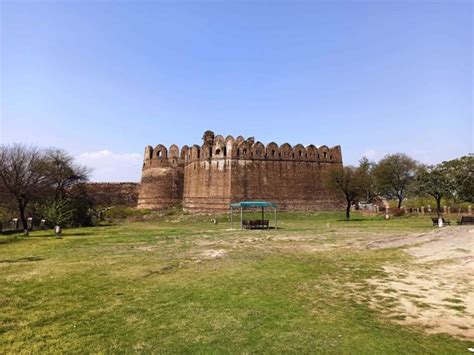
222	170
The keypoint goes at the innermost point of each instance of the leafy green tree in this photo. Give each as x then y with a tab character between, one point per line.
368	182
462	173
347	181
57	212
394	176
436	181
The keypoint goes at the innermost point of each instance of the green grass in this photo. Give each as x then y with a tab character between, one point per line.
148	287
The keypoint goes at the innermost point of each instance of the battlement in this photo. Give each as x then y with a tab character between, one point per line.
218	147
222	170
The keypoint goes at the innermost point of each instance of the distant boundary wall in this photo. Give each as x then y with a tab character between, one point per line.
113	193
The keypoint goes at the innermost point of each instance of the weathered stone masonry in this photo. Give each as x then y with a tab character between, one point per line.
222	170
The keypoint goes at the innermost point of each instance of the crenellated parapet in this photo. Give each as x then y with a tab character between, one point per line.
218	147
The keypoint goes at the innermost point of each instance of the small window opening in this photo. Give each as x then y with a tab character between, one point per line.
199	153
238	152
325	154
159	154
225	151
245	151
218	151
273	153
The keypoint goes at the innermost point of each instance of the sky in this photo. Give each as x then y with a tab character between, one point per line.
103	79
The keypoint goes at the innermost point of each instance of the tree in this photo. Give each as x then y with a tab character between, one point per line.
44	176
394	175
57	213
436	181
368	184
64	203
461	171
63	173
347	181
23	175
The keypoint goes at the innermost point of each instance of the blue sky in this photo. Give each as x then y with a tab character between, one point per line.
104	79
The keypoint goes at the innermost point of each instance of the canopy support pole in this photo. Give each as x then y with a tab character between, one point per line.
275	212
263	215
231	217
241	221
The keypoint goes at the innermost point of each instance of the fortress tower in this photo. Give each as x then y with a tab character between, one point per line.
223	170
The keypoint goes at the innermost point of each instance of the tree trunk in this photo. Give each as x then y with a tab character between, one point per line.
438	205
400	200
22	208
348	210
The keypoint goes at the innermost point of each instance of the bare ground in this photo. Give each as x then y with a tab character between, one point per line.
436	290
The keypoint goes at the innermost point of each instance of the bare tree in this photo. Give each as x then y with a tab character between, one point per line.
348	181
23	174
33	175
63	173
394	175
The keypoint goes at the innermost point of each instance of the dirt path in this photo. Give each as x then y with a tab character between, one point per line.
436	290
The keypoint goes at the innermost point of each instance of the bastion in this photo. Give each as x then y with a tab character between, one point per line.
207	178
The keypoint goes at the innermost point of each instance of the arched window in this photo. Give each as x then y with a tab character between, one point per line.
325	154
225	151
245	151
199	153
273	153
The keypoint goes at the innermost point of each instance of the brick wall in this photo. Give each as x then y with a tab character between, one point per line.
209	177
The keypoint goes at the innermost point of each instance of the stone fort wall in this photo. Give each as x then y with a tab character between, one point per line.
223	170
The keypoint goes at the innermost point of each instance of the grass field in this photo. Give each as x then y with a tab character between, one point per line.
182	284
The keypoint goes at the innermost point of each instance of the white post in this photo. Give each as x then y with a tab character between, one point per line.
440	221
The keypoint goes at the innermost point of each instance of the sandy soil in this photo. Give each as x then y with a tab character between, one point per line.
437	289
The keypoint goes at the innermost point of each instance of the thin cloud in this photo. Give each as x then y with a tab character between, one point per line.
114	167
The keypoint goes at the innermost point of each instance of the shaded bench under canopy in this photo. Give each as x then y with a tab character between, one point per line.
253	204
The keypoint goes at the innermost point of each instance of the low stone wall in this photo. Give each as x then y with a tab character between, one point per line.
114	194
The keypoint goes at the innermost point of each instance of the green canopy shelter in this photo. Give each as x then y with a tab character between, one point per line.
252	204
